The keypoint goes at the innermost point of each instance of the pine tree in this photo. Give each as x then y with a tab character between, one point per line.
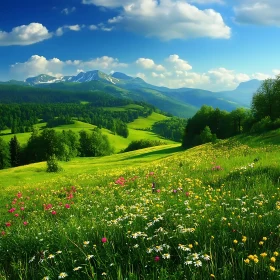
14	152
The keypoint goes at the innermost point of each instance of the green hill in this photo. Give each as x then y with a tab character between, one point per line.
213	213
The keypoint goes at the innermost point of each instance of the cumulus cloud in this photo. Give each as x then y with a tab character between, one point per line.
36	65
68	11
148	63
61	30
166	19
207	1
178	63
25	35
261	12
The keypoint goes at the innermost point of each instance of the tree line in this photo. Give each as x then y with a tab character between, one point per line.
63	145
209	124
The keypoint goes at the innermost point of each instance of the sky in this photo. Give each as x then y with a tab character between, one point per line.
207	44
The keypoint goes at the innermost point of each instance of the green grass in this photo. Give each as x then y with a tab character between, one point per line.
214	214
147	123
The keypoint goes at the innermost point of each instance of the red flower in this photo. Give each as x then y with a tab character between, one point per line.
103	239
16	215
67	206
25	223
53	212
12	210
157	258
3	233
8	224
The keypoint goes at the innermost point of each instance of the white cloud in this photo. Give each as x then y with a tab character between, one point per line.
207	1
166	19
141	75
61	30
68	11
93	27
261	76
25	35
36	65
261	12
178	63
276	72
148	63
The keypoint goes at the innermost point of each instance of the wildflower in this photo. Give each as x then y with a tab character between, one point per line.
21	208
8	224
273	259
3	233
103	239
198	263
149	250
25	223
77	268
136	246
104	274
59	252
272	268
46	278
212	275
261	243
206	257
89	257
188	262
247	261
16	215
53	212
62	275
67	206
235	241
166	256
244	238
256	260
86	243
263	254
158	248
157	258
12	210
275	254
51	256
187	193
32	259
251	257
190	246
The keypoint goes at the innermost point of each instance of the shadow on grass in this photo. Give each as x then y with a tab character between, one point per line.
167	152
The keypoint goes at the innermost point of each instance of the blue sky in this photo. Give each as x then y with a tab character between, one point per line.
209	44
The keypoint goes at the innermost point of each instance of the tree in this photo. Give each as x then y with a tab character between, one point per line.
206	135
4	154
15	152
52	164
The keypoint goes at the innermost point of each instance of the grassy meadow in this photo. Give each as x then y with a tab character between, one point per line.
136	130
210	212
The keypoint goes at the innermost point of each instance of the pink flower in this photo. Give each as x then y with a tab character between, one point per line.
158	190
8	224
67	206
53	212
21	208
3	233
16	215
19	194
25	223
12	210
187	193
157	258
103	239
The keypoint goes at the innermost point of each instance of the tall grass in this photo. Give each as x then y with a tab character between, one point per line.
211	212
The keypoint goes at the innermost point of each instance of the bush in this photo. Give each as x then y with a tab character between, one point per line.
52	164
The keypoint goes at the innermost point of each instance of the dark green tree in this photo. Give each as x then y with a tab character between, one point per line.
4	154
15	152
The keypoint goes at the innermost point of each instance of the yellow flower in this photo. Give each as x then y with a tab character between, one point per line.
261	243
272	268
190	245
247	261
275	254
263	254
256	260
264	238
273	259
235	241
244	238
212	275
251	257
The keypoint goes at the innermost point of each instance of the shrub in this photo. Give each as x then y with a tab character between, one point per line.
52	164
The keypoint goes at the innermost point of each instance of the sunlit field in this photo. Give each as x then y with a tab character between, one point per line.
211	212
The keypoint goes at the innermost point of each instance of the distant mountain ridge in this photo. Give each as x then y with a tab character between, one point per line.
183	102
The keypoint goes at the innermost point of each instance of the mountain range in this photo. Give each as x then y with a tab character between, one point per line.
182	102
